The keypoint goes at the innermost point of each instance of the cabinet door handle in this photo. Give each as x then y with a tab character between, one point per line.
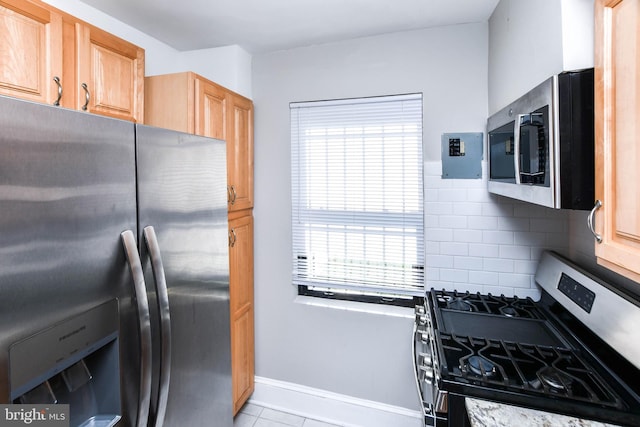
591	221
233	194
57	80
87	96
232	237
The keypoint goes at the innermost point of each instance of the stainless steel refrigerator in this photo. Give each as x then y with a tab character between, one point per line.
114	283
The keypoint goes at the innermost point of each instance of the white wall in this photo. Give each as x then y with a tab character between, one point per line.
354	353
474	241
531	41
229	66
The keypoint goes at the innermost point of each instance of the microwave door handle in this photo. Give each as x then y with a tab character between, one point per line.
516	148
144	324
165	322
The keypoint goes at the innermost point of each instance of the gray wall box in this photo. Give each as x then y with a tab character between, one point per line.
462	155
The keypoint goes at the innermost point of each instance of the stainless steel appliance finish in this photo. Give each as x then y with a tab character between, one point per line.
86	217
573	352
182	195
541	145
67	191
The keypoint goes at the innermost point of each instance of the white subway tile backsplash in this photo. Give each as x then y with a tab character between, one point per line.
525	267
534	293
467	263
480	242
529	238
498	265
452	195
467	236
497	237
515	280
431	221
433	169
478	195
483	222
549	225
431	195
441	235
454	221
468	208
454	248
438	261
438	208
497	209
484	277
515	252
436	182
513	224
484	250
454	275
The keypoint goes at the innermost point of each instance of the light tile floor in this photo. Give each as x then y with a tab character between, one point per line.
256	416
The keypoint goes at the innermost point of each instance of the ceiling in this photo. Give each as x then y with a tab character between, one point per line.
260	26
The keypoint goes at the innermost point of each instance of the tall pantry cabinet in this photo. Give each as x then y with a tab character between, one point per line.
617	109
190	103
49	56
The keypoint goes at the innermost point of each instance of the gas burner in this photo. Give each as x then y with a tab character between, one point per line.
555	379
509	311
481	366
459	304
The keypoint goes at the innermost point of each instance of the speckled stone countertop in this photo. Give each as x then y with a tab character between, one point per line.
483	413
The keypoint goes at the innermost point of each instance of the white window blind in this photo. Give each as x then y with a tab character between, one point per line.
357	198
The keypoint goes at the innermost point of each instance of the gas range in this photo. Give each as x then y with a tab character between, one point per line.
557	354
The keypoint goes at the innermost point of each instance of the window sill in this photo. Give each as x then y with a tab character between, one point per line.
361	307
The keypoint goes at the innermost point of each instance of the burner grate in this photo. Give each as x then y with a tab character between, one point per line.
526	368
490	304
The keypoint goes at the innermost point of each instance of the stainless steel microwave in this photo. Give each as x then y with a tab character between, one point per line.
541	146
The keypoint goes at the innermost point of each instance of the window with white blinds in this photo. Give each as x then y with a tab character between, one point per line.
357	198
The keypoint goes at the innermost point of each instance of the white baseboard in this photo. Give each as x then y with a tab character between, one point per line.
330	407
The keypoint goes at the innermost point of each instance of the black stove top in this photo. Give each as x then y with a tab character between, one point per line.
514	350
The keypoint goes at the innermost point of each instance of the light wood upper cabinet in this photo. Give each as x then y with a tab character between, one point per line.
113	72
97	71
240	153
190	103
30	51
211	110
617	110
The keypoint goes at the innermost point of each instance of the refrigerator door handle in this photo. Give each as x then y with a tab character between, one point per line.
140	294
165	321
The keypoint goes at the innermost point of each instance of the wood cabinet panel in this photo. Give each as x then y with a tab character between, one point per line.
240	153
617	134
241	307
39	43
113	72
30	51
211	110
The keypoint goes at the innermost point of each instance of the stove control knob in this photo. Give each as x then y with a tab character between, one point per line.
428	376
424	336
420	309
427	361
422	319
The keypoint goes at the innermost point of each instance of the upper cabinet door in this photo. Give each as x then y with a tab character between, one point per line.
211	110
617	103
240	153
110	74
30	51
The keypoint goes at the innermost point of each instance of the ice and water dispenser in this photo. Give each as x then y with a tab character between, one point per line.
75	362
